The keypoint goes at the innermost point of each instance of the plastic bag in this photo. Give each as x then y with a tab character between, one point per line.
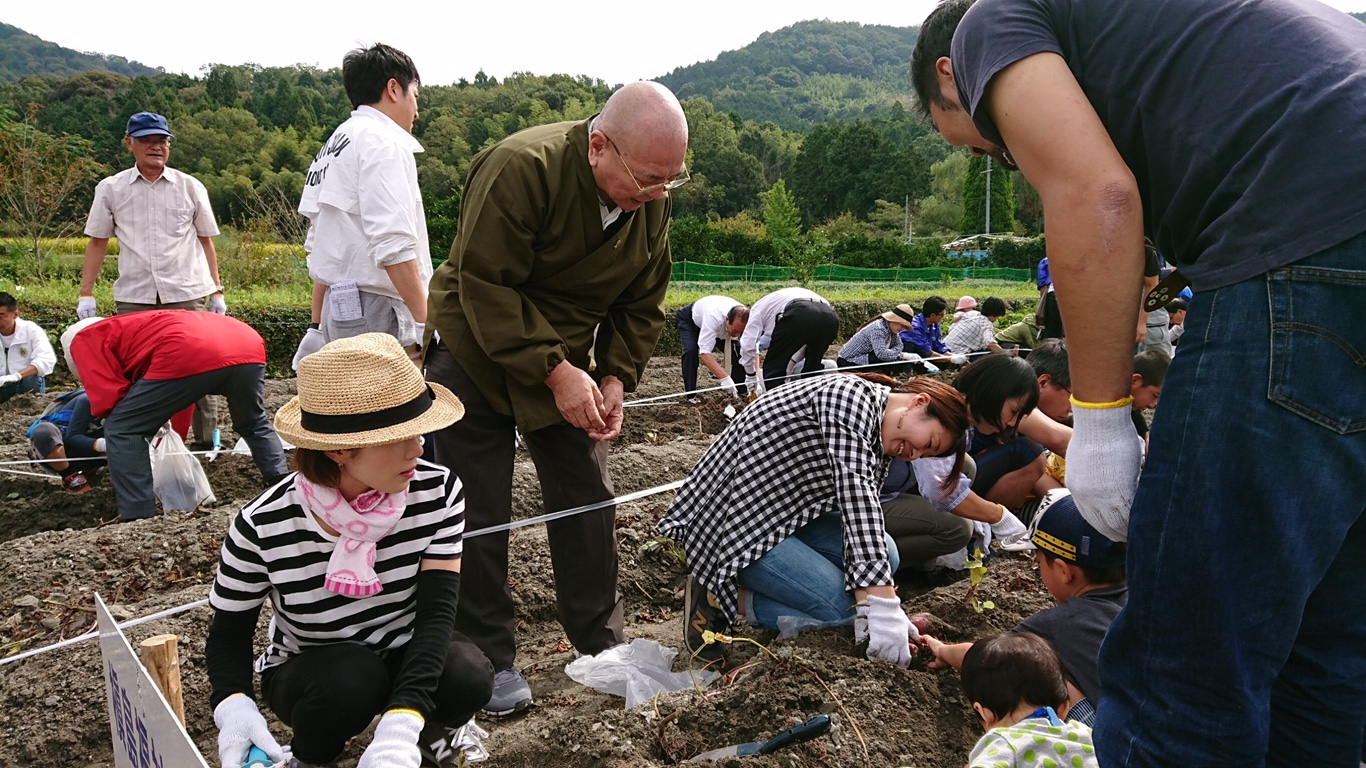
638	670
178	479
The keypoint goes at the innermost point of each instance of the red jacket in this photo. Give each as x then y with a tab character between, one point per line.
163	344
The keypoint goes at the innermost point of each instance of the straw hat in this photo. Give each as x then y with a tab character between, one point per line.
363	391
902	313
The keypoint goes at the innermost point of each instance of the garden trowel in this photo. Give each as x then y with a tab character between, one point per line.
816	726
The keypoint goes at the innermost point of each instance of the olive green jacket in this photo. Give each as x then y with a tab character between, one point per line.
532	275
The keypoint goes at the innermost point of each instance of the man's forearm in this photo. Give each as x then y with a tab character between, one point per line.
211	256
316	310
410	288
1095	250
709	360
95	251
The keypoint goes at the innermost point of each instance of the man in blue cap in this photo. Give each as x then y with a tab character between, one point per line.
165	227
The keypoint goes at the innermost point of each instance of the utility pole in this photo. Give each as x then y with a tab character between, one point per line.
908	219
988	194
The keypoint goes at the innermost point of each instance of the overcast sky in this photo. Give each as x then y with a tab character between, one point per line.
618	42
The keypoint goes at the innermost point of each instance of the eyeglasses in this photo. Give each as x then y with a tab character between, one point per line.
152	141
665	186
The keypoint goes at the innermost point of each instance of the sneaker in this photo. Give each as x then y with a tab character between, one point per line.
704	613
443	747
511	693
75	483
692	400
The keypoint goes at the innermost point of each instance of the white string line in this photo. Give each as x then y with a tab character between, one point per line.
482	531
95	633
867	366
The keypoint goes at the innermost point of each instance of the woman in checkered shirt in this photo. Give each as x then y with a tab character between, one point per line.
781	516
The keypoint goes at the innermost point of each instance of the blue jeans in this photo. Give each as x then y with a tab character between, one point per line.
1244	639
34	383
803	577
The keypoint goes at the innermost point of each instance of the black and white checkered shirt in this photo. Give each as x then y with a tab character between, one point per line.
873	341
811	448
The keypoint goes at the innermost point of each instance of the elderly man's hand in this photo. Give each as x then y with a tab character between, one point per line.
613	392
577	397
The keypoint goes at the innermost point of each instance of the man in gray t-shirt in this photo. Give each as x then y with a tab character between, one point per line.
1232	134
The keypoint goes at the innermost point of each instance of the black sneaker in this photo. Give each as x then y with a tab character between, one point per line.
704	613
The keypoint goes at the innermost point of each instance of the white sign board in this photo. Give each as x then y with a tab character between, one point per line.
145	731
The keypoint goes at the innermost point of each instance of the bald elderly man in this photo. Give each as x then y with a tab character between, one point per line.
544	316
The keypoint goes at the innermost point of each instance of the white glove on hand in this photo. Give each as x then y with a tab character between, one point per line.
1008	525
959	359
911	357
395	742
728	386
752	384
99	445
218	305
241	725
9	378
1103	460
86	308
889	631
311	342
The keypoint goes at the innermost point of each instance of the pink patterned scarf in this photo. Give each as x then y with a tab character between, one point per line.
361	523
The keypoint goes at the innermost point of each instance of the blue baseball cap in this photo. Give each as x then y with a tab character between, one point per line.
1061	531
147	124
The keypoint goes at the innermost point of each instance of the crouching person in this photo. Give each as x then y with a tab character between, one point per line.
70	442
359	553
142	368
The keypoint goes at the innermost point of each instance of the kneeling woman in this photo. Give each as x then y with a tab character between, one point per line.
359	554
784	505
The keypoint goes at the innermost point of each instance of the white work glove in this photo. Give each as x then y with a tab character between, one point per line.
9	378
99	445
959	359
1103	460
728	386
241	725
911	357
889	631
86	308
1008	525
395	742
311	342
218	305
752	384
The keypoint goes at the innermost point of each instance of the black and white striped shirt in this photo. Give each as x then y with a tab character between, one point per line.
813	447
275	549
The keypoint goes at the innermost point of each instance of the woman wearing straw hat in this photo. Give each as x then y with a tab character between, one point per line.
359	553
879	341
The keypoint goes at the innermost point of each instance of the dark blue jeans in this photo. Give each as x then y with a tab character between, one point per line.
1244	640
34	383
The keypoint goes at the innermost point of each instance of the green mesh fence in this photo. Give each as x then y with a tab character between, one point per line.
833	273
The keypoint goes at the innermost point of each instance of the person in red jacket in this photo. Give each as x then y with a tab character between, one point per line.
140	369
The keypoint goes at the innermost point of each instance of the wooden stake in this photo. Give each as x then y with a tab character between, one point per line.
160	657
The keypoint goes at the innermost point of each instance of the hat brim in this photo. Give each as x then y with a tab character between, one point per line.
151	132
446	409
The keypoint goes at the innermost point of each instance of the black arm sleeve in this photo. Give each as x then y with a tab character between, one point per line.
425	656
227	653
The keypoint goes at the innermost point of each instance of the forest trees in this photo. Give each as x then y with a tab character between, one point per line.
39	176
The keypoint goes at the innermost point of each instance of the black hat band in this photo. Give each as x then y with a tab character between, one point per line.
328	424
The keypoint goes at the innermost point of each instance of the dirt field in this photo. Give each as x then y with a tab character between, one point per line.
56	555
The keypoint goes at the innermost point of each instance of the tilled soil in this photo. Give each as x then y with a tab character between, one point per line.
57	555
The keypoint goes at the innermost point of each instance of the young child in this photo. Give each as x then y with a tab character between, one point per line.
1150	369
1084	572
1015	683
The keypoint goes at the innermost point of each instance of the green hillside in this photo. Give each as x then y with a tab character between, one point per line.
22	54
809	73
